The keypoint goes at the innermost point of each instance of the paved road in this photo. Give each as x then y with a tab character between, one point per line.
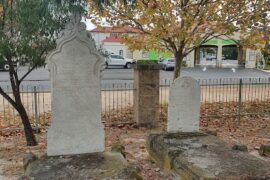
124	77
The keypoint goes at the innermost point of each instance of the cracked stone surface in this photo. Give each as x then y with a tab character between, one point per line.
88	166
196	156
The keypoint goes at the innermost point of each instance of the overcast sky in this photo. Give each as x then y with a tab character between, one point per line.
88	23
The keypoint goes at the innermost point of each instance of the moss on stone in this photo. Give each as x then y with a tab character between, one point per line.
240	147
264	150
85	166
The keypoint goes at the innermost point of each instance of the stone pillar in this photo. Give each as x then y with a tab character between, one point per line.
146	95
219	53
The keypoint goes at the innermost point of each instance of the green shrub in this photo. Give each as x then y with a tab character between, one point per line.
267	65
146	62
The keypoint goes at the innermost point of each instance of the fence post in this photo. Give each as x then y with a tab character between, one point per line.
240	98
35	109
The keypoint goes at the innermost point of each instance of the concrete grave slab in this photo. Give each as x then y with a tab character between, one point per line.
184	105
200	156
85	166
75	68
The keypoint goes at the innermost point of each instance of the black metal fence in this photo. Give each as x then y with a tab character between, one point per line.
219	98
235	97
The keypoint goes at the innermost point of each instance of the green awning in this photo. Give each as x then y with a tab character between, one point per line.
214	42
228	42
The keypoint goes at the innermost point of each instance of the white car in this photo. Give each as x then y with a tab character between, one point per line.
167	64
117	60
211	58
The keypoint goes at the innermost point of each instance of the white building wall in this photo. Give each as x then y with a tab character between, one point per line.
190	59
99	37
115	48
138	55
252	56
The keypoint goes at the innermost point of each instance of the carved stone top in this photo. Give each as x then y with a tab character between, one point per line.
75	26
76	30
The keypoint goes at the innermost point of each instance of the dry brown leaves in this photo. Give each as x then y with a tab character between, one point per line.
249	130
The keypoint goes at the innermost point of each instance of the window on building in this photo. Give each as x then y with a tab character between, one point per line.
230	52
116	56
145	54
113	34
121	52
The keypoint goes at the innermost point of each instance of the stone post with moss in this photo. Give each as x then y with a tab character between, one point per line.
146	94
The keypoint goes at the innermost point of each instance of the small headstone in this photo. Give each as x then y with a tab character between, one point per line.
75	68
184	105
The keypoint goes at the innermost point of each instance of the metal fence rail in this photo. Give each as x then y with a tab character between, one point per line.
219	97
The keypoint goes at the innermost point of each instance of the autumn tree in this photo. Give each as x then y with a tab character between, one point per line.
28	31
254	29
258	26
178	26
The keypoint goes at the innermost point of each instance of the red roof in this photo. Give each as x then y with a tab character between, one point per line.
113	39
124	29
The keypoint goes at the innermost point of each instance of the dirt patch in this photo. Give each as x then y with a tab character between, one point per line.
250	130
13	150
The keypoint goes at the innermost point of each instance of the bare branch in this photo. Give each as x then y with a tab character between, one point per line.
8	98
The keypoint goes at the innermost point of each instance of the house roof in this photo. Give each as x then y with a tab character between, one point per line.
124	29
113	39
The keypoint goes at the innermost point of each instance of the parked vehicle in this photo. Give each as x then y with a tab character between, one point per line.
211	57
117	60
167	64
4	65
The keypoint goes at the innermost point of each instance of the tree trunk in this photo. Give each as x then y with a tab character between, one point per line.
240	55
28	131
197	56
266	50
266	53
18	105
178	63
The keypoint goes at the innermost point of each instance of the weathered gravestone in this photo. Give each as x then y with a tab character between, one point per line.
191	154
75	68
76	136
184	105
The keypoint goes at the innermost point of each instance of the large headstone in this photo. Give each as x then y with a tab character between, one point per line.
184	105
75	68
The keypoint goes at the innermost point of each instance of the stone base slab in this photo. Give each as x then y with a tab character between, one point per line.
201	156
86	166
